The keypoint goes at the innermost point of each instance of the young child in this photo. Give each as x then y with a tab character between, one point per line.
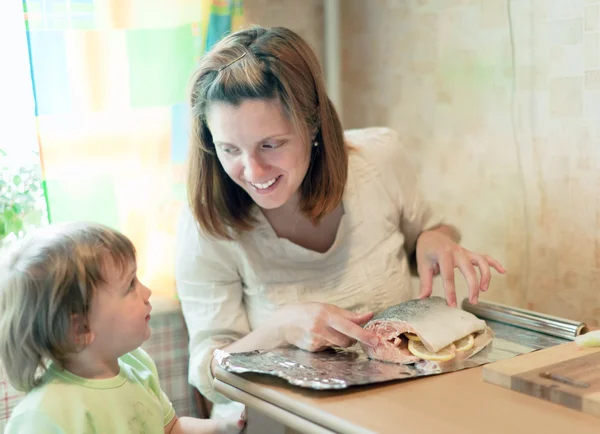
73	315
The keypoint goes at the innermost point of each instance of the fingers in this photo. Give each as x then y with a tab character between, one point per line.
324	325
484	262
338	339
241	422
312	342
497	266
358	318
444	258
426	278
484	271
447	272
350	329
466	268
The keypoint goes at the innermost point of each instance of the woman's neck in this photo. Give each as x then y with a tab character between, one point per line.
288	222
288	211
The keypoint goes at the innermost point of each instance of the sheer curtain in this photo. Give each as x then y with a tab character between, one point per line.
109	80
22	202
17	123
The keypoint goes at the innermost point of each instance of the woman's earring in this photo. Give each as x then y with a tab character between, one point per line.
315	144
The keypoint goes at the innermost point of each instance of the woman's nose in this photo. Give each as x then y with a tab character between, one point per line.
254	169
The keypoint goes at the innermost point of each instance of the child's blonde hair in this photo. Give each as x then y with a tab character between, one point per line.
45	279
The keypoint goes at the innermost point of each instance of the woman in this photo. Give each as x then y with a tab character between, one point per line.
297	232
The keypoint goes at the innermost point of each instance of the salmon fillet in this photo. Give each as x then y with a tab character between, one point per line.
435	323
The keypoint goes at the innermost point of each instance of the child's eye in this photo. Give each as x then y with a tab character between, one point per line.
133	283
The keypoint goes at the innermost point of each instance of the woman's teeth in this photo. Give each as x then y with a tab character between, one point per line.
264	185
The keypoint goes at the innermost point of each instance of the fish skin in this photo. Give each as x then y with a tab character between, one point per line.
409	310
423	317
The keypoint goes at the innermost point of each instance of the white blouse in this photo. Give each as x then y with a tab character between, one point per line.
228	288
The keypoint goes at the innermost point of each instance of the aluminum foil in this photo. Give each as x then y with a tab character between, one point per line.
528	338
341	368
526	319
514	332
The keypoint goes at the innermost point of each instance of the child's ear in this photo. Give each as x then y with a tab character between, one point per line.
80	331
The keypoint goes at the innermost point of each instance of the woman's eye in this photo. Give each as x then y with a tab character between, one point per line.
272	145
229	150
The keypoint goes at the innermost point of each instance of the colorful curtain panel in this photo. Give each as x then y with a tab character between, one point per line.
109	80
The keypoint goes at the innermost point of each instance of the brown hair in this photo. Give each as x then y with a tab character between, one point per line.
261	63
45	279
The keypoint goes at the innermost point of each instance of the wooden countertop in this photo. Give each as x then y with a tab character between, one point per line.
459	402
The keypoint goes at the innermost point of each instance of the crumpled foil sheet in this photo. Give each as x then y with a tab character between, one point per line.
341	368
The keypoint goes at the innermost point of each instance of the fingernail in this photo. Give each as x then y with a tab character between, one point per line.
374	341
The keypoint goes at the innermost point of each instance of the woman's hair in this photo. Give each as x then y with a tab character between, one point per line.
45	279
264	64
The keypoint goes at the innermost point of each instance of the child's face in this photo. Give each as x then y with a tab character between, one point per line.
120	312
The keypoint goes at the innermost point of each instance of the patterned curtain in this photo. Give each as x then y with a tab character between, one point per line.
109	79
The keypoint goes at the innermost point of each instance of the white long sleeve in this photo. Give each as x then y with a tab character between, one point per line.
393	163
210	289
228	288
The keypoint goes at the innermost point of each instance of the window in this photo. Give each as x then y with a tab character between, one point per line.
22	201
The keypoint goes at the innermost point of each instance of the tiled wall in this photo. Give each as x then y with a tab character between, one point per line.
500	107
304	17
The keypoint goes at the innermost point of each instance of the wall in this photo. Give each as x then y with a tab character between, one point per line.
500	107
499	104
304	17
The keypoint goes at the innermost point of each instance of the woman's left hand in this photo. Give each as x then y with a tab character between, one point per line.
438	253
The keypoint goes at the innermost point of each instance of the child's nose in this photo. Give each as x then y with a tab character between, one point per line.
147	293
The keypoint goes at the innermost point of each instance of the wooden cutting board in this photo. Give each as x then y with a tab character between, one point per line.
567	362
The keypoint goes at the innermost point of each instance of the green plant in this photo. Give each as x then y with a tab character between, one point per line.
22	203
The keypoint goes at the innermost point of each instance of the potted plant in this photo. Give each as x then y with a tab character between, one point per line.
22	203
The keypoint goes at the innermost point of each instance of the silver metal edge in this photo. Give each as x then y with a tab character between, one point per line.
286	403
285	417
534	321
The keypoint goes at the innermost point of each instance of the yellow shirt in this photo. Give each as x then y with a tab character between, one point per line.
131	402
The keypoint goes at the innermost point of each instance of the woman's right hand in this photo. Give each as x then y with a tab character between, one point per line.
316	326
310	326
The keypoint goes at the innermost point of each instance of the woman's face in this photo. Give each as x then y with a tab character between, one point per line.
259	149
